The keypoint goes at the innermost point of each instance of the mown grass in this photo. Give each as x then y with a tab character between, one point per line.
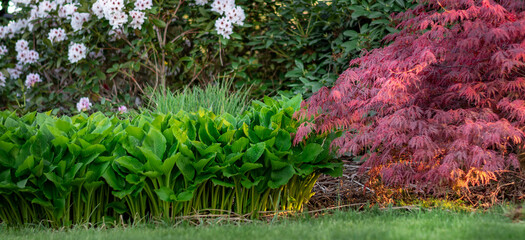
369	224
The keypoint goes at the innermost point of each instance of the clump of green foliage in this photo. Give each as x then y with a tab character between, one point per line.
71	170
216	97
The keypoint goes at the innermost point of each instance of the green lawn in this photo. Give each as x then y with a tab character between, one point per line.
370	224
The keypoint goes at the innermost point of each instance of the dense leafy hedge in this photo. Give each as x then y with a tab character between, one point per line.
89	168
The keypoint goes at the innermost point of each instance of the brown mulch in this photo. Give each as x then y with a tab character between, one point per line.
351	189
348	189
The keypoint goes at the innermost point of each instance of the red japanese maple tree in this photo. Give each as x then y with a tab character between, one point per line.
444	102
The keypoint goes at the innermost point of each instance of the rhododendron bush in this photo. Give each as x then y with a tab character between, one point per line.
64	50
442	105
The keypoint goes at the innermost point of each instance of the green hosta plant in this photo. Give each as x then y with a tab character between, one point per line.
86	168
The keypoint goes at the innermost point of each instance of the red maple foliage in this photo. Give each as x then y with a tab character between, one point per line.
443	103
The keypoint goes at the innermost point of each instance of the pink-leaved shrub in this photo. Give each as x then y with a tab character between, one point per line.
443	103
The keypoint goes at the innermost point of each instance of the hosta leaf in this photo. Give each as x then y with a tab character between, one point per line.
134	179
249	166
250	134
185	150
74	149
247	183
226	137
169	163
6	146
28	164
204	136
41	202
281	177
136	132
165	193
185	166
155	142
132	164
222	183
310	152
211	129
94	149
201	163
263	133
305	169
230	119
60	141
153	162
277	164
283	140
254	152
240	144
112	180
233	157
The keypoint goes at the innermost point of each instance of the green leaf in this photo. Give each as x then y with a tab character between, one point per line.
254	152
262	133
283	140
240	144
155	142
185	166
249	166
281	177
226	137
157	22
165	193
169	163
222	183
28	164
130	163
310	152
250	134
112	180
153	162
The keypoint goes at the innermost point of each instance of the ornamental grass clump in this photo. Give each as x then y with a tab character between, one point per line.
216	97
79	169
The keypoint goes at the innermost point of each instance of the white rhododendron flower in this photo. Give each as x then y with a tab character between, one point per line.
67	11
201	2
236	15
14	73
122	109
3	50
21	2
57	35
78	20
116	34
84	104
21	45
77	52
111	7
220	6
3	32
2	80
45	7
98	8
118	19
224	27
32	79
137	19
143	4
27	57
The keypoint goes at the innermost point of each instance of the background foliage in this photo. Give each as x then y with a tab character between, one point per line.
290	46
